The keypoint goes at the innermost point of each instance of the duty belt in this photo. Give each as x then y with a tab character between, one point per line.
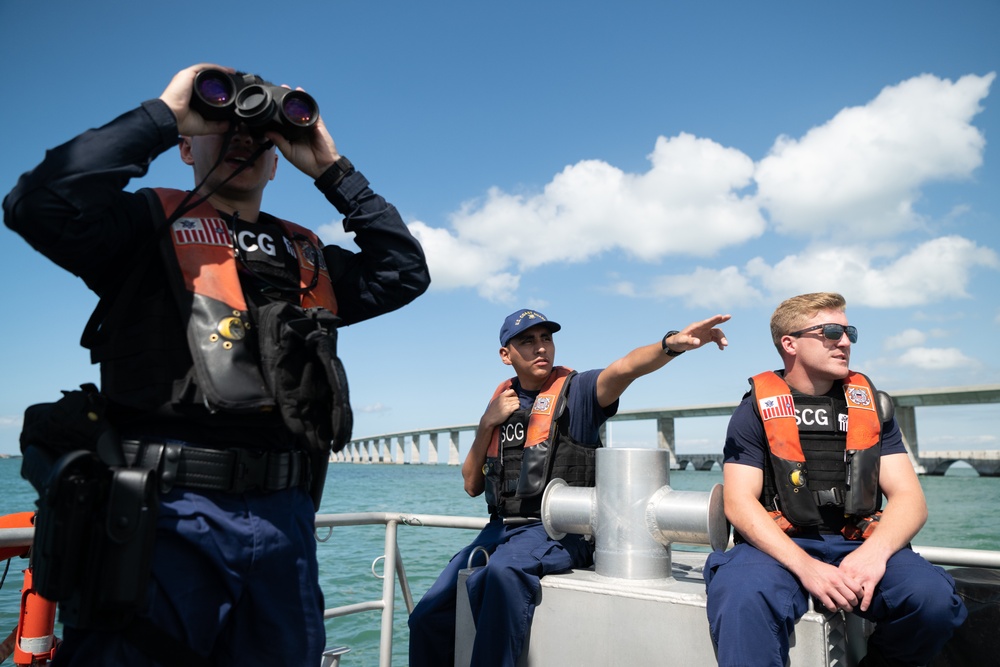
231	470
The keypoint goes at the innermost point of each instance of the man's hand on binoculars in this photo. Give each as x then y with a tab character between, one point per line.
311	154
177	96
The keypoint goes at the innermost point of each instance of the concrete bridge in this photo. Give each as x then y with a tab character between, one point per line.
986	463
442	444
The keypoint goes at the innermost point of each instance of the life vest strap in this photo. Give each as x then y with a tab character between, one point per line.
863	528
860	529
784	524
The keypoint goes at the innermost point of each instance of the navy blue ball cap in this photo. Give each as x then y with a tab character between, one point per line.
523	319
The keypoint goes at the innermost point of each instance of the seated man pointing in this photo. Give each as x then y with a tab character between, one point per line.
542	424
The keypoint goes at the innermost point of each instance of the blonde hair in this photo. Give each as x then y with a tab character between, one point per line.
791	313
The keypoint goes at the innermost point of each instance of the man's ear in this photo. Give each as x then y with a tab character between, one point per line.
505	356
788	344
185	146
274	168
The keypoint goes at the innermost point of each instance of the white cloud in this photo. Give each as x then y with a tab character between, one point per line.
455	263
6	422
873	276
860	173
904	339
689	202
333	233
620	287
936	359
708	288
857	175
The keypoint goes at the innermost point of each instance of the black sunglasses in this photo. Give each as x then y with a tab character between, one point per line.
832	331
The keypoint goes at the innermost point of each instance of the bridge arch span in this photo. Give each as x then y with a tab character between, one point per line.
391	447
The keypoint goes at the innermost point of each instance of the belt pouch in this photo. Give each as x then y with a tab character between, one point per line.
64	521
298	353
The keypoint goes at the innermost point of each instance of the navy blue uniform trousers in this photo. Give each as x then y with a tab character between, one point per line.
502	594
234	577
754	602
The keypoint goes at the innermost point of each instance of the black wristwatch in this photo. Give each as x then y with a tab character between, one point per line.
340	169
667	350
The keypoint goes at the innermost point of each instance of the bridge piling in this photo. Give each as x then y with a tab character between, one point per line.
432	449
666	439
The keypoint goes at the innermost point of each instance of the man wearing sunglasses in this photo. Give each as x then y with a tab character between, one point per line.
809	454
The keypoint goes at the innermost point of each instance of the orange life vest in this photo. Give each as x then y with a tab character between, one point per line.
796	499
529	450
217	315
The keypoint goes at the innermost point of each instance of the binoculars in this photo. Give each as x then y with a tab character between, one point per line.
244	98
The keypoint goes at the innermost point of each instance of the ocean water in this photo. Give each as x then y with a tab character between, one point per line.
962	514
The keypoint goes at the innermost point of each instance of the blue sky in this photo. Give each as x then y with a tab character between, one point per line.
626	168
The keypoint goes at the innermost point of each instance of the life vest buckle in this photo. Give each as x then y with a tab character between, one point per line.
832	496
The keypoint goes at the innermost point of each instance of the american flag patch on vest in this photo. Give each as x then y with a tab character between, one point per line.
204	231
776	406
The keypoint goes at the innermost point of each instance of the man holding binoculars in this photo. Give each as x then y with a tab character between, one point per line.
216	336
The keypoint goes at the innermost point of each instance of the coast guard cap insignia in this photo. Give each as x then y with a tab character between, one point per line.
859	396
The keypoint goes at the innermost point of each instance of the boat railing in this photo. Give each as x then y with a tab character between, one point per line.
393	568
946	556
392	563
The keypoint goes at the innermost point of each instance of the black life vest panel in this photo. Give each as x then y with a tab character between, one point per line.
824	452
532	448
198	252
183	339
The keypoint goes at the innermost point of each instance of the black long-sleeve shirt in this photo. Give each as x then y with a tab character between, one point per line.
74	209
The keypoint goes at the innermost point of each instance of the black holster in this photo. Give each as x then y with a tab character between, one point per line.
96	520
94	535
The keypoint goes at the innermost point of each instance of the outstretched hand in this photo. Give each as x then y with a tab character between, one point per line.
616	378
697	334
